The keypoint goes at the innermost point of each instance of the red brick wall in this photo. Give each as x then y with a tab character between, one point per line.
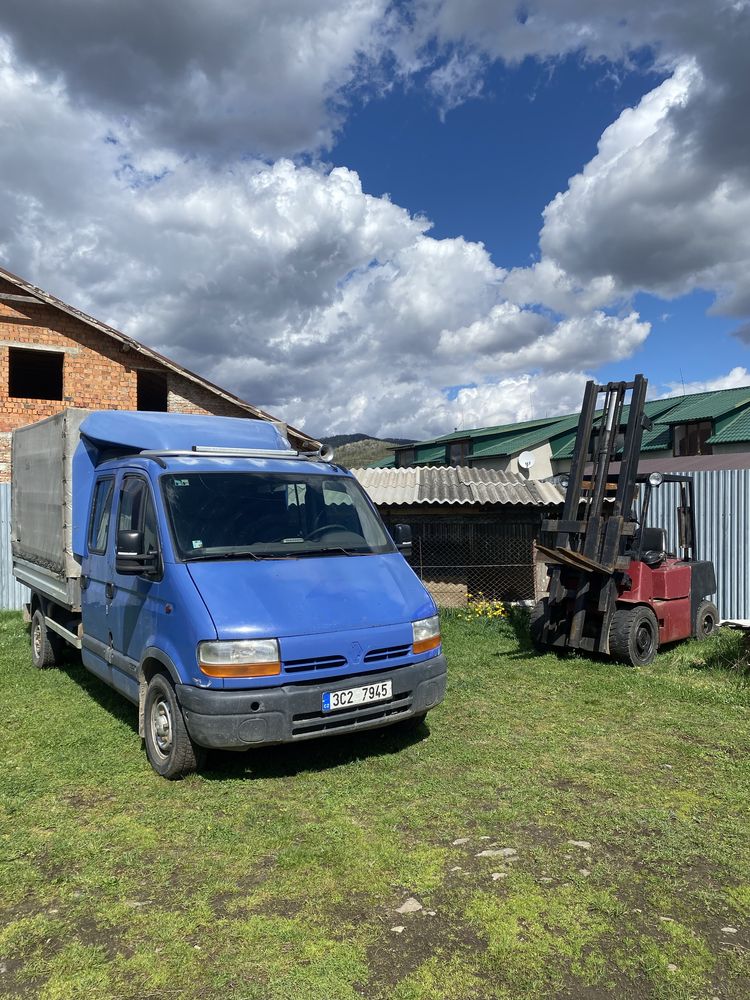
97	373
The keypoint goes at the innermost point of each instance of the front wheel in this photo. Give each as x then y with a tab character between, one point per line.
706	620
46	645
170	751
539	615
634	635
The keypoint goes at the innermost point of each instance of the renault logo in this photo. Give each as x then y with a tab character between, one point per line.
356	654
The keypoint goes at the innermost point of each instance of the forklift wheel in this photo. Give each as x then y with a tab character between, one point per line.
634	635
706	620
537	618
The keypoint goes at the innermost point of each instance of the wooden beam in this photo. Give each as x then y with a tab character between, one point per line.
27	299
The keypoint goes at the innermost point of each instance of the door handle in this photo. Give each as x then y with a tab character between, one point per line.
109	591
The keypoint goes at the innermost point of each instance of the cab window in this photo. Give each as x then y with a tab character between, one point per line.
101	511
137	512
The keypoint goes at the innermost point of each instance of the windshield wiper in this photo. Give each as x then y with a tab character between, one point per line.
332	550
234	554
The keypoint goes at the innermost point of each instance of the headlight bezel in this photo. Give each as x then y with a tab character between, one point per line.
425	634
239	657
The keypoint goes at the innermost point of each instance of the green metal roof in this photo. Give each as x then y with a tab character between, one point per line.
480	432
385	463
511	444
707	405
720	406
429	456
737	428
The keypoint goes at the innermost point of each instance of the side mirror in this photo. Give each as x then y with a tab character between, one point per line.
130	559
402	538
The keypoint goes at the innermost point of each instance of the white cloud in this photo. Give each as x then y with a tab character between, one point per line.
664	206
735	379
226	78
137	184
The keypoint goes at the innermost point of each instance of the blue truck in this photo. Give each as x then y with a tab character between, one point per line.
239	592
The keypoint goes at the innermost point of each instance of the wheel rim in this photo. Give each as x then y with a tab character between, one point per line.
644	641
36	640
708	624
161	727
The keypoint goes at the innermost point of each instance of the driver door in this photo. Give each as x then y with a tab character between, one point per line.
137	601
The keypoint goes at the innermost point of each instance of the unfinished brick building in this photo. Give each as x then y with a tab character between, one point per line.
53	356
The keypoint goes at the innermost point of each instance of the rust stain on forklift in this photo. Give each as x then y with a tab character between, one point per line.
614	587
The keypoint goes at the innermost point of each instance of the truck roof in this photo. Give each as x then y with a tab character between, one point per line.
146	431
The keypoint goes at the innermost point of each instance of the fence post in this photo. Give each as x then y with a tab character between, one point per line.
541	580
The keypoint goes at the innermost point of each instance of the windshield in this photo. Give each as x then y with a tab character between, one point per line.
217	515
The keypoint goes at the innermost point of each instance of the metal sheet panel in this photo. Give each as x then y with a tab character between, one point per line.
13	595
722	512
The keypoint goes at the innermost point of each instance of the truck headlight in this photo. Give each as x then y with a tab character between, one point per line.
425	634
242	658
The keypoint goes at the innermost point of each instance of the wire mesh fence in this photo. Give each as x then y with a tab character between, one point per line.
462	561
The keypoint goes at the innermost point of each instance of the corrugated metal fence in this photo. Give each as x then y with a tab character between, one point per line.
12	595
722	504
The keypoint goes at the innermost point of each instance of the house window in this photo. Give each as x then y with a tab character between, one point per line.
35	374
405	458
690	439
152	391
458	452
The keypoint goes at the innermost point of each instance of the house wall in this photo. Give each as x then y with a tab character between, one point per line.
97	372
541	469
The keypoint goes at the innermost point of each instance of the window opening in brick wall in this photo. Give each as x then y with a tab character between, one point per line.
35	374
152	391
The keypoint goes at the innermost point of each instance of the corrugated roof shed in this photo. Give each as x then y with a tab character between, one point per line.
459	485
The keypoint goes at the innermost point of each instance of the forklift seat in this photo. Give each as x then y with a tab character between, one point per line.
653	545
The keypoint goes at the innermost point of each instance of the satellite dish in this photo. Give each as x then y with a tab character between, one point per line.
526	459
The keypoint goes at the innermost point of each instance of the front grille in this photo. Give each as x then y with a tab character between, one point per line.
314	663
314	723
387	653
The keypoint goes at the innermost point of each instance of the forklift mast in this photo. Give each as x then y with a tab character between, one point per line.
594	535
597	525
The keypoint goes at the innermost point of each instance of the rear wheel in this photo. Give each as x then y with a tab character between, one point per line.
634	635
46	645
706	620
170	751
537	618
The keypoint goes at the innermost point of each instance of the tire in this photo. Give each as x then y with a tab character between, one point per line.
169	749
706	620
46	645
537	618
634	635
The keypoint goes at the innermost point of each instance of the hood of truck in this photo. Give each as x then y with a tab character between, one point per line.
281	597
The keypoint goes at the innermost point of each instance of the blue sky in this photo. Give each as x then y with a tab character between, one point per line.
486	170
247	193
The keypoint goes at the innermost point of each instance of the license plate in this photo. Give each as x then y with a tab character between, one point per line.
333	700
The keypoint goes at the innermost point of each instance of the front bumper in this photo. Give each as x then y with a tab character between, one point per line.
238	720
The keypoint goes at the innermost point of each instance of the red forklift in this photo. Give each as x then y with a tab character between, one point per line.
614	587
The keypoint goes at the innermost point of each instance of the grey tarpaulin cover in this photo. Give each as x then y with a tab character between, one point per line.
41	496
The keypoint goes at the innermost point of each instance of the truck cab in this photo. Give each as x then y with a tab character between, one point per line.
240	593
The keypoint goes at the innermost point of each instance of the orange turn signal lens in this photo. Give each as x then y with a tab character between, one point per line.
241	669
425	645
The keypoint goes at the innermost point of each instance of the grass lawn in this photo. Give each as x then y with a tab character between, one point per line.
278	874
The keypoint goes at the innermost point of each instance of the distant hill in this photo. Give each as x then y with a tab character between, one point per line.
337	440
362	451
